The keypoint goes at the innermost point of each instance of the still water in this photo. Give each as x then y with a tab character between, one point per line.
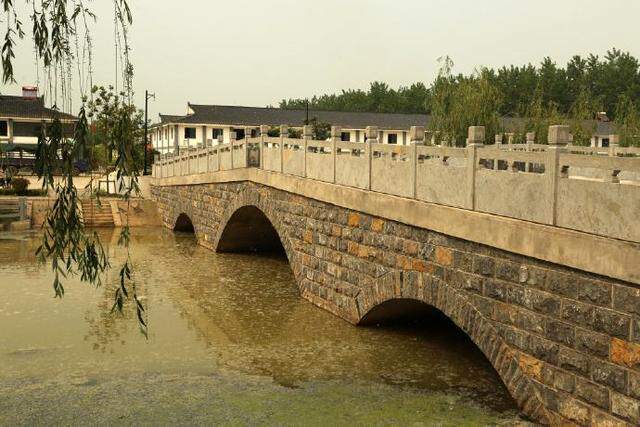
230	342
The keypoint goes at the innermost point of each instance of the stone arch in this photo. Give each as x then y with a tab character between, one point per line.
248	202
249	230
457	308
184	223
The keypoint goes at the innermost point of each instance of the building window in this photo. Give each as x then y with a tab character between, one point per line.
392	138
239	134
215	133
345	136
4	128
189	133
605	142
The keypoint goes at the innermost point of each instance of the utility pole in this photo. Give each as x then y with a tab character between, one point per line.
147	95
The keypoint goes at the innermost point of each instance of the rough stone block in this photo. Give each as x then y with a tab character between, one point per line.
609	375
562	284
626	299
573	361
574	410
634	384
377	225
506	270
577	312
612	323
353	220
484	265
443	256
410	247
561	332
592	393
496	290
593	343
543	349
542	302
625	407
625	353
594	292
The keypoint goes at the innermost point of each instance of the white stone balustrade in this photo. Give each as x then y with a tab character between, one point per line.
550	184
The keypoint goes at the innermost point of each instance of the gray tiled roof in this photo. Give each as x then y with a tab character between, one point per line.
169	118
28	108
254	116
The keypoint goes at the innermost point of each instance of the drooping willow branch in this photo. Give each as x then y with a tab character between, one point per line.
66	244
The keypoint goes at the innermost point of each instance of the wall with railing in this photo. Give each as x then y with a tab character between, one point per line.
590	189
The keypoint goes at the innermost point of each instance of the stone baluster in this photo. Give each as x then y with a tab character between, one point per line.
307	135
284	134
371	135
336	136
558	139
264	134
233	135
475	141
416	138
531	140
498	146
614	143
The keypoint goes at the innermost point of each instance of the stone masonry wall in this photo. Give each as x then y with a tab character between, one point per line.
565	343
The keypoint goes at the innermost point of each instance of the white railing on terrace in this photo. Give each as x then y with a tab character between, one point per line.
595	190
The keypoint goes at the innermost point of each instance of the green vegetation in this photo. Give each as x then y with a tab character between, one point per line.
541	95
62	42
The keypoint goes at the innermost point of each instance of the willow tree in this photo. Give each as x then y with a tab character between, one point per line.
627	122
540	115
581	117
460	102
61	35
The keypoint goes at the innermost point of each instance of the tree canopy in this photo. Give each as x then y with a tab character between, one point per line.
605	79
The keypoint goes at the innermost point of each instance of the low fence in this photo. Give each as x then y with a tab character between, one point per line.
595	190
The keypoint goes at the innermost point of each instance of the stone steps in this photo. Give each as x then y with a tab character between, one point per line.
97	215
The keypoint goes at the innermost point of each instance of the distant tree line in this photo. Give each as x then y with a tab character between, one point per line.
539	95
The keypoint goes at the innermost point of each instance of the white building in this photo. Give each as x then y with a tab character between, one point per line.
207	123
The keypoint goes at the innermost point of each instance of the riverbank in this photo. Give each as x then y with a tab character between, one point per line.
138	212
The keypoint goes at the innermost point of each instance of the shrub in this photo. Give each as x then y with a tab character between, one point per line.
20	186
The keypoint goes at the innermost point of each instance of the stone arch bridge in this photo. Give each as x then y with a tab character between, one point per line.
554	307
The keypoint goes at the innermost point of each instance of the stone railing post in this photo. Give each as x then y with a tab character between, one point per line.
284	133
188	160
232	141
498	146
264	134
614	143
307	134
371	136
336	136
475	140
416	137
510	137
558	139
531	139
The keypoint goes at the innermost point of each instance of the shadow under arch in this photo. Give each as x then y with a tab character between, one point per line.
474	327
184	224
249	230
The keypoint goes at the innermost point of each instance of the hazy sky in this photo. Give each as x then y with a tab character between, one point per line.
256	52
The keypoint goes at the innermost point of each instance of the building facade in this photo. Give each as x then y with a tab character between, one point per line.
213	124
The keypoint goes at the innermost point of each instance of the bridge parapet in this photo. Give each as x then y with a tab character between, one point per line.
589	189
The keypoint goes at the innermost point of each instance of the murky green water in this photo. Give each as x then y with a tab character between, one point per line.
230	342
